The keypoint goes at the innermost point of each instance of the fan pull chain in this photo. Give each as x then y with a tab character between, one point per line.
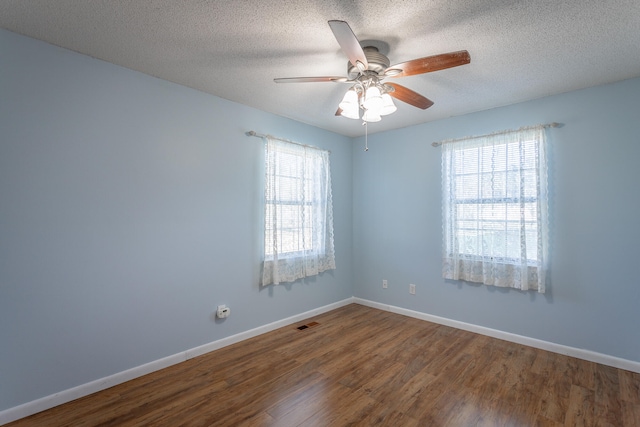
366	136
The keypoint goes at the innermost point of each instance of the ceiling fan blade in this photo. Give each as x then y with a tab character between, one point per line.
410	97
335	79
429	64
349	44
339	111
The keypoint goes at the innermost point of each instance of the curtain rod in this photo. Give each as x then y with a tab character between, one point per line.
263	136
547	125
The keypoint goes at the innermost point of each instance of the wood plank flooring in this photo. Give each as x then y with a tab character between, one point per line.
361	367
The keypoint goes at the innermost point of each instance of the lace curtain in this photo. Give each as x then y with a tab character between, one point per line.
298	212
494	191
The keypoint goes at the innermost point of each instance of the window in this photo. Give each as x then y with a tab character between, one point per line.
494	198
298	232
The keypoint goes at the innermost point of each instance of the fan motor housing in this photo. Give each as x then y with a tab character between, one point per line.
377	62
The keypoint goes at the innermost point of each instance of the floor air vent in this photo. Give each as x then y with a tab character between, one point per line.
308	325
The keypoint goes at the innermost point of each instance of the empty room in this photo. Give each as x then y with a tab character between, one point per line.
319	213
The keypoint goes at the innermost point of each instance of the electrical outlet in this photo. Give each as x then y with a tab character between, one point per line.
385	285
412	289
223	311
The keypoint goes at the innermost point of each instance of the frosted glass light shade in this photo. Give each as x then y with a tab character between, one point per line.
351	112
371	116
372	99
388	106
350	98
349	105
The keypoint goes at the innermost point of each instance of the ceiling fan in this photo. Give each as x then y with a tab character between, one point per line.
367	70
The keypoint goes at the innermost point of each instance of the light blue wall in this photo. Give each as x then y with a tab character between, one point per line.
593	300
129	208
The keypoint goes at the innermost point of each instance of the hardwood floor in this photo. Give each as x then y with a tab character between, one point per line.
361	366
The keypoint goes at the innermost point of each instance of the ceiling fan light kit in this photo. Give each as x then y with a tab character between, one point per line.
366	70
369	95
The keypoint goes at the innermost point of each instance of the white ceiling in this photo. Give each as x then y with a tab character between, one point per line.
520	50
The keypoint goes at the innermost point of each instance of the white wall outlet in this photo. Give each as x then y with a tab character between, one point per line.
385	285
412	289
223	311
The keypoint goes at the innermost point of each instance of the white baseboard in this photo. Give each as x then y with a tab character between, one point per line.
47	402
579	353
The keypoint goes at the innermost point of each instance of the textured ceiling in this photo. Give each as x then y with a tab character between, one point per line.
520	50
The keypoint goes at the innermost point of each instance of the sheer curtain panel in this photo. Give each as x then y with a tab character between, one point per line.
494	209
298	230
